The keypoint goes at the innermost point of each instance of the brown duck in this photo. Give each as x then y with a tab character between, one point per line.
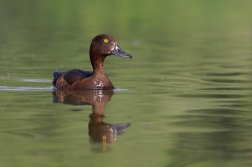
101	46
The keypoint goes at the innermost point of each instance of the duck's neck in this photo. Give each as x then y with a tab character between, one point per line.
98	64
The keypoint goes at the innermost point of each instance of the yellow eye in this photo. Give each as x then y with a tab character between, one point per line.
105	40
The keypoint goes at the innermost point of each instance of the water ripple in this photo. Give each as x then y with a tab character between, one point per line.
28	79
9	88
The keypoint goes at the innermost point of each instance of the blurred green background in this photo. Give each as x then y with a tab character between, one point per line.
49	33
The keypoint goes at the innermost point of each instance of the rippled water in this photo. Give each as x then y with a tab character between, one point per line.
184	99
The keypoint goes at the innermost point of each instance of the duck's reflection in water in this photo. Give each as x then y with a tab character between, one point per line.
99	131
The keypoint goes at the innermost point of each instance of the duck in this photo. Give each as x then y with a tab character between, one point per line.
101	46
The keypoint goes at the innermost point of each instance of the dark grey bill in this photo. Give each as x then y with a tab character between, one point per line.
119	52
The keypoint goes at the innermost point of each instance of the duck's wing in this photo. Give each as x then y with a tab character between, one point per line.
71	76
56	76
74	75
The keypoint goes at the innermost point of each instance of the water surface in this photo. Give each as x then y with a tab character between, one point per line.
184	99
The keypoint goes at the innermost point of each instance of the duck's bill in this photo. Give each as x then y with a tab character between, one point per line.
119	52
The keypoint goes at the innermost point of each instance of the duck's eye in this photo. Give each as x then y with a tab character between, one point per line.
105	40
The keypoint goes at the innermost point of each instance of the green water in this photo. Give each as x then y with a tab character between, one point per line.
186	93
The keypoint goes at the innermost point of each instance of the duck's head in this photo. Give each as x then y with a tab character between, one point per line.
105	45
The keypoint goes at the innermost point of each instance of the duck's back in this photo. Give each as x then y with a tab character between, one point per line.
71	76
